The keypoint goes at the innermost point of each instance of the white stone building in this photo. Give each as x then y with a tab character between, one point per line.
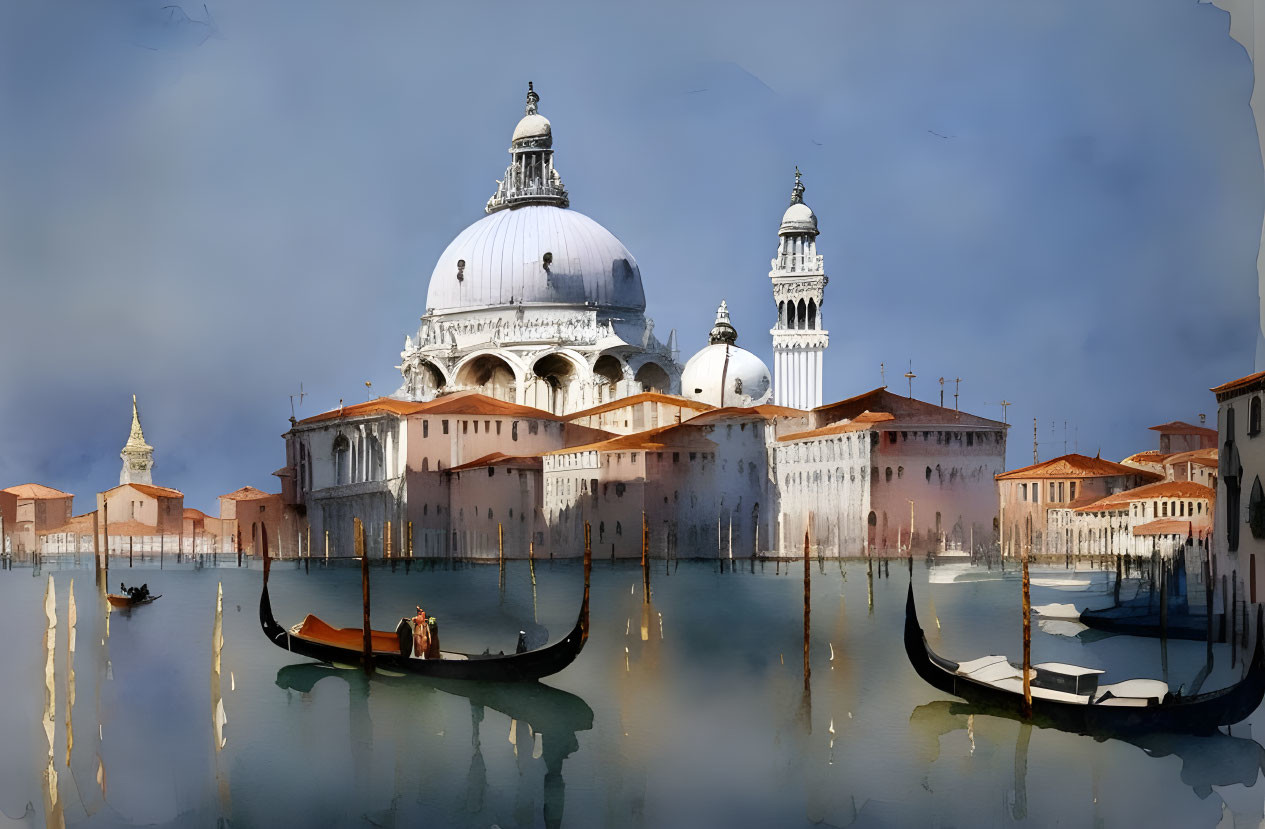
535	303
1155	517
1239	524
722	374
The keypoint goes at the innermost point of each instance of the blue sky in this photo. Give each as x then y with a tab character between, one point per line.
1059	202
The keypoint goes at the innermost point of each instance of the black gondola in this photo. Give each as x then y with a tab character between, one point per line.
391	650
1089	710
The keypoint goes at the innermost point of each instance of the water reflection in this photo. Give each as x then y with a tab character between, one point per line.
540	715
1215	760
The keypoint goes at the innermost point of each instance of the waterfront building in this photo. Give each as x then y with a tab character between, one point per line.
799	287
384	461
247	512
536	304
1199	465
36	510
881	471
1239	534
1178	436
1157	517
1028	494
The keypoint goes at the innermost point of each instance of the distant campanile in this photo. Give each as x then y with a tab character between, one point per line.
799	287
137	455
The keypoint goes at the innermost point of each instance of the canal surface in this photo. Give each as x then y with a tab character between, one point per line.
687	711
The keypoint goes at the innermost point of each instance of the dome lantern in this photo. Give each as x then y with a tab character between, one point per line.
723	331
530	177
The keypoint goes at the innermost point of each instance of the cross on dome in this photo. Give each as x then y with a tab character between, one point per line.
797	192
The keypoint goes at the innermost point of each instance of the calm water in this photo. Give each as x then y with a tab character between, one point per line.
686	712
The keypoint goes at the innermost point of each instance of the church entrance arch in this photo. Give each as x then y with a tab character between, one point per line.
652	377
488	374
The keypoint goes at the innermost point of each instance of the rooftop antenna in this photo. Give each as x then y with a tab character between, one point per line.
301	396
882	373
909	375
1034	441
942	392
1005	404
1065	437
957	383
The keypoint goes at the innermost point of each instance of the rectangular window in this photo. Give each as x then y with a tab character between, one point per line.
514	430
498	427
465	427
1071	491
1023	492
1051	498
425	428
1060	490
1036	491
445	427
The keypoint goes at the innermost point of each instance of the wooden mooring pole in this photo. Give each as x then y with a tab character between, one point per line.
1027	639
367	655
808	581
645	557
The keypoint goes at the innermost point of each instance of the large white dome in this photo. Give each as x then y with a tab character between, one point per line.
726	375
535	254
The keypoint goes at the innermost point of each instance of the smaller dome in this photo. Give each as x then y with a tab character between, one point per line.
532	126
797	219
726	375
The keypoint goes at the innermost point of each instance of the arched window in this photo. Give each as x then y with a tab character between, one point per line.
812	314
781	314
342	460
790	315
1256	510
373	459
801	314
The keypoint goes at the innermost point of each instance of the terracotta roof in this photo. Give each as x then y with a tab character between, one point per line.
37	491
465	402
903	409
244	494
1174	526
77	524
672	436
766	411
195	514
1076	466
1178	427
133	528
1163	489
860	423
501	459
644	397
1236	384
1149	456
150	490
1202	457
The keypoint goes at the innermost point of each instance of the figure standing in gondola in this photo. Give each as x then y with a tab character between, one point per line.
421	634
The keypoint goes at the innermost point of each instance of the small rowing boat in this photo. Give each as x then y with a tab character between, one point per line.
117	600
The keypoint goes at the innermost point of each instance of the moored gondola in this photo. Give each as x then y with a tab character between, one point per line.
315	639
117	600
1070	698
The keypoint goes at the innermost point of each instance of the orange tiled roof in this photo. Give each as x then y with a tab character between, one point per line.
860	423
1178	427
195	514
674	436
37	491
133	528
1202	457
1236	384
77	524
246	493
766	411
635	399
903	409
150	490
1174	526
464	402
1076	466
1148	456
1163	489
501	459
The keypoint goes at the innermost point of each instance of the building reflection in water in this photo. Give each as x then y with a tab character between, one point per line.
218	717
52	801
540	714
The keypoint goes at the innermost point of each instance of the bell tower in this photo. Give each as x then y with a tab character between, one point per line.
137	455
799	286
